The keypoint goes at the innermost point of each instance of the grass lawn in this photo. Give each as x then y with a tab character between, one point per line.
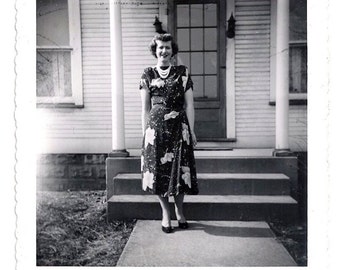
294	239
72	231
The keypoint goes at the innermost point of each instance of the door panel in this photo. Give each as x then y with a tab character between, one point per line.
200	33
207	115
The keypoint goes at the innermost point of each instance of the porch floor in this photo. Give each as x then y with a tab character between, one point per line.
216	152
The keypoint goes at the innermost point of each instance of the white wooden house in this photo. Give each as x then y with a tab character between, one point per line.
250	90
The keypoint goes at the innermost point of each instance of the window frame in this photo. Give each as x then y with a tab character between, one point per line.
203	74
76	100
294	98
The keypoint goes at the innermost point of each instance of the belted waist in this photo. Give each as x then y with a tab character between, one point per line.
161	102
155	100
170	108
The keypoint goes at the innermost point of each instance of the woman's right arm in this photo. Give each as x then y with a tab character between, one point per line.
146	106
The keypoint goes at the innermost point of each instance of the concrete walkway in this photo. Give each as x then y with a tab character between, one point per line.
205	243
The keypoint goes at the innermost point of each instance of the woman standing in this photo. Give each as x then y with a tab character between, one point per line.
168	164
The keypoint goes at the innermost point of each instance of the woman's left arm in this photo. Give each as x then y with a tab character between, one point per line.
190	111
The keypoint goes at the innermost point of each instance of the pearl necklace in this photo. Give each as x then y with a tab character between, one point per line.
163	73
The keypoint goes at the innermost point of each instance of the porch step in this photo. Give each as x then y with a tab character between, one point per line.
206	207
206	165
215	184
231	188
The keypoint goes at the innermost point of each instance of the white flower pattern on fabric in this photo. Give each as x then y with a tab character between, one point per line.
149	136
186	175
185	133
148	180
143	83
172	114
167	158
165	171
185	79
157	82
141	162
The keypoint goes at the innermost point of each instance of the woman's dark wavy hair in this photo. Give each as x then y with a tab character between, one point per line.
163	37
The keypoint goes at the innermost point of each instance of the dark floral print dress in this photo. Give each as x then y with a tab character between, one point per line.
167	160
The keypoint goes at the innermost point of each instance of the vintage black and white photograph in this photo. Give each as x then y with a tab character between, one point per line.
173	133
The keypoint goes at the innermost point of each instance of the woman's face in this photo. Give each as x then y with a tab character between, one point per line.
164	51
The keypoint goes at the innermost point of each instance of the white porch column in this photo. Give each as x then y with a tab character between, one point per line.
117	90
282	77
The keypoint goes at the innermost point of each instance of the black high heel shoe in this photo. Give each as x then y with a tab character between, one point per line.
167	229
183	225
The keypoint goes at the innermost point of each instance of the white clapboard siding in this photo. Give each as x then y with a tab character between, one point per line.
137	32
254	116
84	125
89	128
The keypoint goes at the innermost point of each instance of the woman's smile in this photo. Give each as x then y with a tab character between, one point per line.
164	52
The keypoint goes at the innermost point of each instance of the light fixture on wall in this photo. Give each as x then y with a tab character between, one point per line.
158	26
231	27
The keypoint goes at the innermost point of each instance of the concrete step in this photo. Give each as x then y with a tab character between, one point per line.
214	184
206	207
285	165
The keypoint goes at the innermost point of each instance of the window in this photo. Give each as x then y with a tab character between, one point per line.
197	36
298	48
58	67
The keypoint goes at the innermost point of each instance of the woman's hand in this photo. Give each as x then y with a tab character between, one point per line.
193	137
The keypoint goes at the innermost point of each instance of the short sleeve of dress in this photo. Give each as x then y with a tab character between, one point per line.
187	82
144	82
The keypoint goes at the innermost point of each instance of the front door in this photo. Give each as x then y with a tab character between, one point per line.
199	28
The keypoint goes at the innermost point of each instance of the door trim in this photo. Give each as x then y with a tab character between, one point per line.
230	108
230	78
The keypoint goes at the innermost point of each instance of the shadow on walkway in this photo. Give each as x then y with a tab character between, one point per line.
205	243
229	231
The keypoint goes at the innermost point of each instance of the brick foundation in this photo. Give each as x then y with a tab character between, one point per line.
60	172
